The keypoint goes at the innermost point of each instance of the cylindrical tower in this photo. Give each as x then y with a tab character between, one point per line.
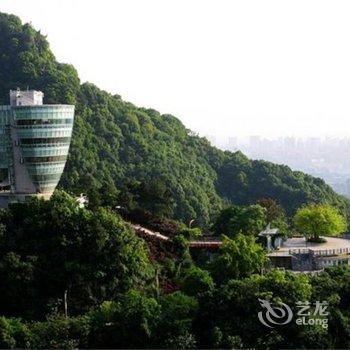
43	137
34	145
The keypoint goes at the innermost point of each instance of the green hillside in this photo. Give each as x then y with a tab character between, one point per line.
126	155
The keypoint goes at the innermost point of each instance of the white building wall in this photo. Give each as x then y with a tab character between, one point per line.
26	98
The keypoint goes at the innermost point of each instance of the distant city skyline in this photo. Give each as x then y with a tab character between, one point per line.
223	141
222	68
324	157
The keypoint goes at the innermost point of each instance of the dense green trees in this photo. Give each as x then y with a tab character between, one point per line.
229	314
26	61
220	318
196	281
128	322
130	156
251	219
117	296
319	220
239	257
49	247
241	219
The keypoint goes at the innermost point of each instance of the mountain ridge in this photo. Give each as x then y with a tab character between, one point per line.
131	156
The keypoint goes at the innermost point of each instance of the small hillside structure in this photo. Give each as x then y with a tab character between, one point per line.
271	237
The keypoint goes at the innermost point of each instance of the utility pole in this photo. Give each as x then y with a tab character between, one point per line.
157	282
65	304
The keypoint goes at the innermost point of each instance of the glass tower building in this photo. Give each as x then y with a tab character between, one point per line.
34	144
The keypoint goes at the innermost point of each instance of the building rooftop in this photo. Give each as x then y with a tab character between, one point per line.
26	98
269	231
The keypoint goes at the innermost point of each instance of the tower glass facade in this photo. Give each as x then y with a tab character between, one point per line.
34	145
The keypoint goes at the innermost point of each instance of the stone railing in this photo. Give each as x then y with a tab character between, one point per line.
297	251
330	252
323	252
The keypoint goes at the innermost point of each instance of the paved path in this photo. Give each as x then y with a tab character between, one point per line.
148	232
193	244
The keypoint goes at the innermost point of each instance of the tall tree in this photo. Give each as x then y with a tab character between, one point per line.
319	220
238	257
239	219
275	214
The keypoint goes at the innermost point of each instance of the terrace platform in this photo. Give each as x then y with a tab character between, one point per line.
297	254
333	245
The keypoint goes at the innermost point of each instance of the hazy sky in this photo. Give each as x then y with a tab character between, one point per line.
223	67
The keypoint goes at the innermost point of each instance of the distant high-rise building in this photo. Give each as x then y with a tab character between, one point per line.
289	144
254	145
233	143
254	140
34	144
211	139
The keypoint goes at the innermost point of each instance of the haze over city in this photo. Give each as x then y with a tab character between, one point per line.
327	157
224	68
